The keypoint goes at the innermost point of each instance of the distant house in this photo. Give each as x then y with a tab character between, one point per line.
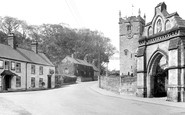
22	69
80	68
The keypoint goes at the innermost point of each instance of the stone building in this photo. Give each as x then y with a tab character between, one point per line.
78	68
22	69
161	56
130	31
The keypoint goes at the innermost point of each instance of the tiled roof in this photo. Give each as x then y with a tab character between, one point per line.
24	55
45	58
179	21
82	62
7	51
73	60
34	57
95	68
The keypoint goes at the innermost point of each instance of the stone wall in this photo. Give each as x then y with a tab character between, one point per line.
128	85
122	85
111	83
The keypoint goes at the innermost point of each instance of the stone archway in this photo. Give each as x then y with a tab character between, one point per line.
157	75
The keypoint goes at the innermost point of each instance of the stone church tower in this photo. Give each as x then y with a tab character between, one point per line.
130	29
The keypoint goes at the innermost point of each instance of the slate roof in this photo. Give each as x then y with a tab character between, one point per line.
37	58
73	60
7	51
45	58
82	62
24	55
179	21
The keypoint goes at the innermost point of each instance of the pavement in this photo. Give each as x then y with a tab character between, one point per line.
157	101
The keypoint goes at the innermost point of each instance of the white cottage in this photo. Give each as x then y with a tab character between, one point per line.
22	69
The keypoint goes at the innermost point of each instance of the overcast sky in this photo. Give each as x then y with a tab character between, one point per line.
101	15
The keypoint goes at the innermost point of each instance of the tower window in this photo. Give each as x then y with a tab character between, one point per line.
126	52
128	27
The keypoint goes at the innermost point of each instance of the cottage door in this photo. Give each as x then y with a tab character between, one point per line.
7	82
49	81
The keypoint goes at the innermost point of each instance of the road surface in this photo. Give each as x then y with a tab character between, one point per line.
77	99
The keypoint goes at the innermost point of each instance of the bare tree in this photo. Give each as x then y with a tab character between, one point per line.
9	24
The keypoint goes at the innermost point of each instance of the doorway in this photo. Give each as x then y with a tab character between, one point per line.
157	79
160	82
49	81
7	82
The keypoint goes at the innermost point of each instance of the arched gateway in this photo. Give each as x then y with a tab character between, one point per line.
161	57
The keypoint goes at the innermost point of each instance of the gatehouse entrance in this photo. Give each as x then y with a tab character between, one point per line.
161	57
157	80
160	82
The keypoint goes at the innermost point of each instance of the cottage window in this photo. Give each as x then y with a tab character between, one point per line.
126	52
32	82
40	82
18	81
40	70
1	64
32	69
12	65
7	65
18	67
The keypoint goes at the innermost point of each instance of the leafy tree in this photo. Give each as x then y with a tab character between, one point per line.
59	40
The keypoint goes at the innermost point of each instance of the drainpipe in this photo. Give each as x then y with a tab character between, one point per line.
26	76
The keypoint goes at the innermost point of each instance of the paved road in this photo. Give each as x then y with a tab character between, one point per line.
77	99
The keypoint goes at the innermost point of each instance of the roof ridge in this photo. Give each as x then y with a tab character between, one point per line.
44	58
23	55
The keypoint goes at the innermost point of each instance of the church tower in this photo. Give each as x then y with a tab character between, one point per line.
130	30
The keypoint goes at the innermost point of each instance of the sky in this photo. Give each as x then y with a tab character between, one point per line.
101	15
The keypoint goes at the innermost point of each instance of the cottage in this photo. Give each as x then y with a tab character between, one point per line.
22	69
78	68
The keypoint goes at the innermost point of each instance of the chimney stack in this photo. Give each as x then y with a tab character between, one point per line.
34	46
11	40
72	55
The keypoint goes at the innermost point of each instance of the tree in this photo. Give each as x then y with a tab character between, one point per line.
59	40
9	24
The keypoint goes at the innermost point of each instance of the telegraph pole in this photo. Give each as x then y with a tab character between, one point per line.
99	65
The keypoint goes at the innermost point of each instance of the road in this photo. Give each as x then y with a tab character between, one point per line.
77	99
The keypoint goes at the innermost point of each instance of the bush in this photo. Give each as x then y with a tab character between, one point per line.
69	79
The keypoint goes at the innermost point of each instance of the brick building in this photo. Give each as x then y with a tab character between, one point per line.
131	29
23	69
